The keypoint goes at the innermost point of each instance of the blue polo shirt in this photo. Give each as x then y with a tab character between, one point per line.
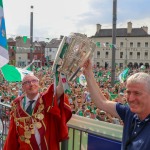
136	133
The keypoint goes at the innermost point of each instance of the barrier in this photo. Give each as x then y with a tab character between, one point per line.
84	133
90	134
4	122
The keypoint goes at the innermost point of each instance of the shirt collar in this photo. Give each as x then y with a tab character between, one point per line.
35	98
143	121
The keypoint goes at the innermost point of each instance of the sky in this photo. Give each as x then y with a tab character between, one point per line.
52	18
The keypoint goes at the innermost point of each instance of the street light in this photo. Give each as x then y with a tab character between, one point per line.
31	36
126	60
41	56
114	42
47	57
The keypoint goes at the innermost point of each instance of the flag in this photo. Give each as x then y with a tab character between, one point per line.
113	96
29	66
142	67
25	38
123	75
82	80
98	44
14	74
111	45
4	57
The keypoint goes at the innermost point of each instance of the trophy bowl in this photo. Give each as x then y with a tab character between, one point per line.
72	53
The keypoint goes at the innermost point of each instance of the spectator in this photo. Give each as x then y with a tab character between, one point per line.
135	116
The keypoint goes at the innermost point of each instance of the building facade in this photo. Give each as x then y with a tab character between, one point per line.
132	46
20	52
51	50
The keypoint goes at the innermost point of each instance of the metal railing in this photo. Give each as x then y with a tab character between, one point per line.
4	122
79	128
72	146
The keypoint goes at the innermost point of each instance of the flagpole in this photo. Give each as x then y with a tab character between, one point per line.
31	37
126	60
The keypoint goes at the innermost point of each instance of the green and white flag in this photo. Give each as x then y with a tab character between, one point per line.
142	67
14	74
4	57
123	75
82	80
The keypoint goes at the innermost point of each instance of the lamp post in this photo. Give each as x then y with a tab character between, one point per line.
41	56
47	58
31	36
114	42
126	60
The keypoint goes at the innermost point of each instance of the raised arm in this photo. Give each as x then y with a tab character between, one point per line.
96	94
59	88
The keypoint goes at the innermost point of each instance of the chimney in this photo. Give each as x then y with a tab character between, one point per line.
129	29
61	37
98	26
145	28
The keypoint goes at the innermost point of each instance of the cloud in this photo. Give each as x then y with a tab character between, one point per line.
55	18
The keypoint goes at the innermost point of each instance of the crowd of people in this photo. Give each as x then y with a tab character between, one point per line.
80	100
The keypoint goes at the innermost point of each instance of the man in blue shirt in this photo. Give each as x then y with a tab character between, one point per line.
135	115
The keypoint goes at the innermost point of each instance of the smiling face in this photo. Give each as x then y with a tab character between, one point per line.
30	85
138	97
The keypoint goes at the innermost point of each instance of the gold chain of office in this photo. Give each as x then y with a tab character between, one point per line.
28	123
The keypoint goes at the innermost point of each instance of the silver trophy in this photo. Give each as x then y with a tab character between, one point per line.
72	53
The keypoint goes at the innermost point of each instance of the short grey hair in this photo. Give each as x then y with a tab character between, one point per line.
140	77
31	75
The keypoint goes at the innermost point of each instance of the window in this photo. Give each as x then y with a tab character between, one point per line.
130	55
146	44
106	55
21	63
121	54
146	55
98	64
121	44
131	44
138	44
98	54
138	55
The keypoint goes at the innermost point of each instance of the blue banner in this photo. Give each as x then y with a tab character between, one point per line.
4	57
101	143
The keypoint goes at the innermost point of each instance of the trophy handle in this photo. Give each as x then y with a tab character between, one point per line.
78	69
57	57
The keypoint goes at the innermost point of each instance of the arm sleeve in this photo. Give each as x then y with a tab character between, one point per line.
122	110
61	112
